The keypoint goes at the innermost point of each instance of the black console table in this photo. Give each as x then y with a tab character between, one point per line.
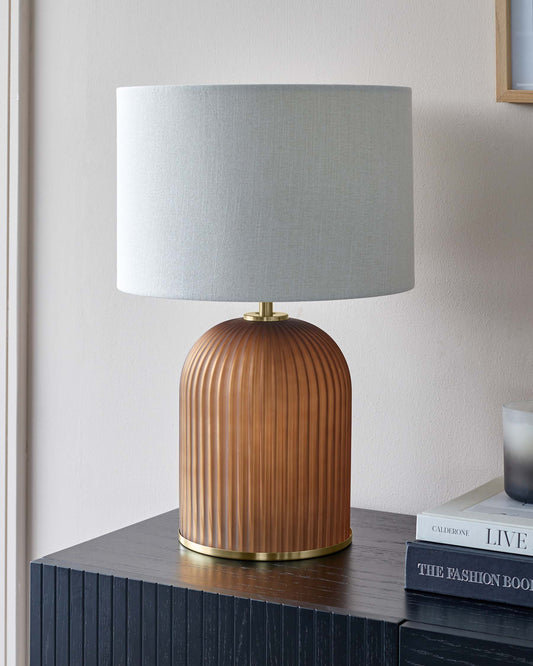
135	596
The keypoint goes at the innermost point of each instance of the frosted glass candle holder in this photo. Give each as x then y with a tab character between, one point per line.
518	450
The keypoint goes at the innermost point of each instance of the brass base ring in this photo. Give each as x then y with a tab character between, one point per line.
263	557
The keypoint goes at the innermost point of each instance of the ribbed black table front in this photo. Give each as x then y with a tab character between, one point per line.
135	596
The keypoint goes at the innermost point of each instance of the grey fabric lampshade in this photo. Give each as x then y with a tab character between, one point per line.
264	192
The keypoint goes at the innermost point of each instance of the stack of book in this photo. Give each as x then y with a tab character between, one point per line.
478	546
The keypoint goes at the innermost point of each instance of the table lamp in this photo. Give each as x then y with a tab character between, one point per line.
264	193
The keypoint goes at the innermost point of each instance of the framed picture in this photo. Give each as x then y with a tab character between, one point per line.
514	51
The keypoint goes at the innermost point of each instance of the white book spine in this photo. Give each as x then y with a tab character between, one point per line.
475	534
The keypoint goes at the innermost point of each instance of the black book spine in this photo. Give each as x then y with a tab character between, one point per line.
469	572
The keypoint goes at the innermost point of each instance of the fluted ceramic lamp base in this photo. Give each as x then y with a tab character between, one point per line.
265	424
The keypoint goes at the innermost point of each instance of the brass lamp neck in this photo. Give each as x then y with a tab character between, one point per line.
266	313
266	309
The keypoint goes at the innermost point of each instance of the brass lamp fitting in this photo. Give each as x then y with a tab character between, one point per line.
266	313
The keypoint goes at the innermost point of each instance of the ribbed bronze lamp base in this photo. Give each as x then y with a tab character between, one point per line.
265	422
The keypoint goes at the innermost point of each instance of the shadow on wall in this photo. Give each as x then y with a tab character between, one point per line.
479	176
459	346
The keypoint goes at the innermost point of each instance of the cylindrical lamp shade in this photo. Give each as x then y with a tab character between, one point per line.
264	192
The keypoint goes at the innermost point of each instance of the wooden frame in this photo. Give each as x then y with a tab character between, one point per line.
504	90
14	89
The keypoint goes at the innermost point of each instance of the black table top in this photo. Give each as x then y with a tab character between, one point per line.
365	580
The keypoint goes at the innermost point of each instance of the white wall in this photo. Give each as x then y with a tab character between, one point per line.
430	368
